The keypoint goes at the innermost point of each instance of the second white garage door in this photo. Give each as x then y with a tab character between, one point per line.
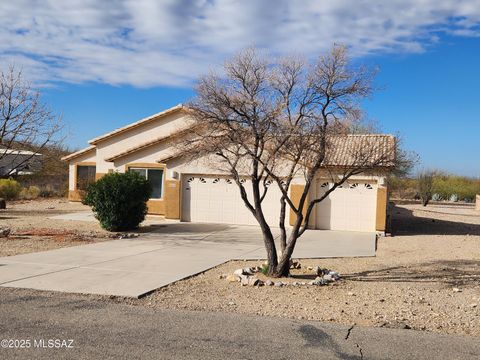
217	200
351	207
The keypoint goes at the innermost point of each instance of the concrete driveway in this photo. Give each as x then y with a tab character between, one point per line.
134	267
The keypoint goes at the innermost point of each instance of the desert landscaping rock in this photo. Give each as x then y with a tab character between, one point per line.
238	272
4	232
252	281
233	278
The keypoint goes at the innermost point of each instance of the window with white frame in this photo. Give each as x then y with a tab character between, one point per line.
155	176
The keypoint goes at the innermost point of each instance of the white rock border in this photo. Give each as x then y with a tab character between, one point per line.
246	277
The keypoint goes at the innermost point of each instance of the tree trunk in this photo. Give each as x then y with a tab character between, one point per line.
269	242
283	267
283	231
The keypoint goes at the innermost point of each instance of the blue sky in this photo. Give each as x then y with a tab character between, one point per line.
105	64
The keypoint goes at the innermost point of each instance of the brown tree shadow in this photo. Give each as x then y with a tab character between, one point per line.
405	223
463	273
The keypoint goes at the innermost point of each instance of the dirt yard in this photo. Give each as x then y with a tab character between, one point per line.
33	230
426	277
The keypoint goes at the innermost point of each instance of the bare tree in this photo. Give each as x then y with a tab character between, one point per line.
25	122
425	186
277	122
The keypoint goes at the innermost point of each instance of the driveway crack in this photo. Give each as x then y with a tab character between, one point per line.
349	331
360	350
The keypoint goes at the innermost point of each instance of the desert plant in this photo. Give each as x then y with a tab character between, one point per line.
437	197
425	186
32	192
119	200
48	191
453	198
9	189
447	185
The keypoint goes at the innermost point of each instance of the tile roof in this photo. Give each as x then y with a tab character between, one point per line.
375	150
366	150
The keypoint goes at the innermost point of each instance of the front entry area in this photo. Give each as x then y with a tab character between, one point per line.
213	199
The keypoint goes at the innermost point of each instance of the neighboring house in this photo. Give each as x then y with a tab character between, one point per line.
19	162
196	191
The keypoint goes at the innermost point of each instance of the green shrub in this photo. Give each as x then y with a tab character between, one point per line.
119	200
32	192
9	189
449	185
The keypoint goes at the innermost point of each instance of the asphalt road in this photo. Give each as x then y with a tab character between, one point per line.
103	329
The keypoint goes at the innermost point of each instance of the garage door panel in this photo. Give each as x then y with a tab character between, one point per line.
349	207
218	200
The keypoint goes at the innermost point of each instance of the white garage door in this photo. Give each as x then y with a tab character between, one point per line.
352	207
217	200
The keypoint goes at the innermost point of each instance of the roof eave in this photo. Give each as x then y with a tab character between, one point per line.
136	124
77	153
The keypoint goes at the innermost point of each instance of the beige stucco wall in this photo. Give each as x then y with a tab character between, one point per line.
165	126
147	155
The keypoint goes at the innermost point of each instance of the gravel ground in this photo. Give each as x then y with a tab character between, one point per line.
32	230
409	284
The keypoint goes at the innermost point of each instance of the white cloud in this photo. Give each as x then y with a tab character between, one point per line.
148	42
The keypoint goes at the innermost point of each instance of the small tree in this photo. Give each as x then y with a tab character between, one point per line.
280	121
26	123
119	200
425	186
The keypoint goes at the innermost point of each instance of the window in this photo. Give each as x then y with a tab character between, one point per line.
85	176
155	176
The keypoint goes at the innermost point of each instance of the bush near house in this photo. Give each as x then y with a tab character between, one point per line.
119	200
9	189
445	187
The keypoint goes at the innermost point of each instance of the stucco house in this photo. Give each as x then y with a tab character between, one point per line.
198	192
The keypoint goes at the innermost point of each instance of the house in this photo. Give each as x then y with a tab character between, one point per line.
19	162
197	191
